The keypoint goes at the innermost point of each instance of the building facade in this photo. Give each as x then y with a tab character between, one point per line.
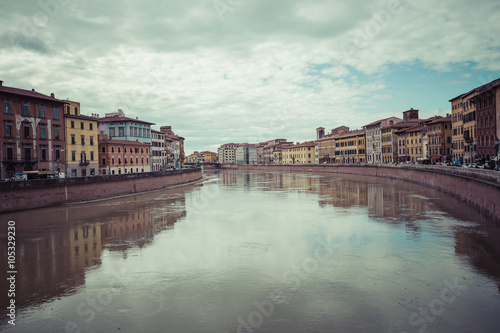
351	147
302	153
123	156
158	151
227	153
246	154
458	106
31	132
81	142
118	127
488	112
439	139
374	152
174	144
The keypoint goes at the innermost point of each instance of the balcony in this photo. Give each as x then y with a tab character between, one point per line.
84	163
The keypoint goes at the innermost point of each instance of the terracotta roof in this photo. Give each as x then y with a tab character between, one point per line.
28	93
117	118
173	137
352	133
439	120
122	142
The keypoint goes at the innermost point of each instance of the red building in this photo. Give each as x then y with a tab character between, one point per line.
31	132
122	156
487	112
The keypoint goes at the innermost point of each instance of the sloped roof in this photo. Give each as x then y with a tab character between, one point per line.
28	93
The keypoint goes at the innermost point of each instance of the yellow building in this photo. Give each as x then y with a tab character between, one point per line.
469	124
351	147
81	142
302	153
457	115
85	246
325	151
414	146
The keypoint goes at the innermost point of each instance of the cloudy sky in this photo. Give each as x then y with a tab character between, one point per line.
223	71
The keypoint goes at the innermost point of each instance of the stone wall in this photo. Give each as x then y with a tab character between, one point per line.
479	188
46	192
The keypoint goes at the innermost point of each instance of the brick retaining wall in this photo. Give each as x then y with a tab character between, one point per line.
41	193
479	188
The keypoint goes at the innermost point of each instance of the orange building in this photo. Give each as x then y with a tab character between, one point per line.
121	156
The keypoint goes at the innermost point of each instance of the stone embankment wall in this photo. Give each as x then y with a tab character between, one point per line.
479	188
46	192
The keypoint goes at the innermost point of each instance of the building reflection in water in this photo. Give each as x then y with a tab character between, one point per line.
55	247
390	201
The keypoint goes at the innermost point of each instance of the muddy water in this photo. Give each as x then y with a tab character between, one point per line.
257	252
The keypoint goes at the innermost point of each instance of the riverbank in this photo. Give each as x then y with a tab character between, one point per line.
479	188
31	194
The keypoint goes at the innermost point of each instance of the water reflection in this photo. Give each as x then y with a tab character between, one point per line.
234	247
56	247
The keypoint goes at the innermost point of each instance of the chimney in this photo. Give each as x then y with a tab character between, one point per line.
52	95
33	90
1	83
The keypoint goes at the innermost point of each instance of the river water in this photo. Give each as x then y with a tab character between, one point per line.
257	252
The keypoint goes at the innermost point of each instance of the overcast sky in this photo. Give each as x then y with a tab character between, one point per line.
223	71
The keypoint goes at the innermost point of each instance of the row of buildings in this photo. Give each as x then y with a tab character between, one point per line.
40	132
469	134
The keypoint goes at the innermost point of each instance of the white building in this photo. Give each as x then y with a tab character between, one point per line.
374	138
246	154
158	151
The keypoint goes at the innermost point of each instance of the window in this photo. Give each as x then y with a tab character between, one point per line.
119	149
73	139
7	108
112	149
76	111
91	127
56	133
92	173
10	154
103	149
103	161
82	126
27	154
124	149
43	132
111	132
91	155
113	160
73	155
83	156
73	174
8	130
72	124
26	131
121	131
44	154
68	109
82	139
42	112
91	140
56	114
84	173
26	111
58	154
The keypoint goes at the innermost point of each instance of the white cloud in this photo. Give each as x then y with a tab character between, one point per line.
249	75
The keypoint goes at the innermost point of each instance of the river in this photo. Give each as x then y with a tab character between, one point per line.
257	252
